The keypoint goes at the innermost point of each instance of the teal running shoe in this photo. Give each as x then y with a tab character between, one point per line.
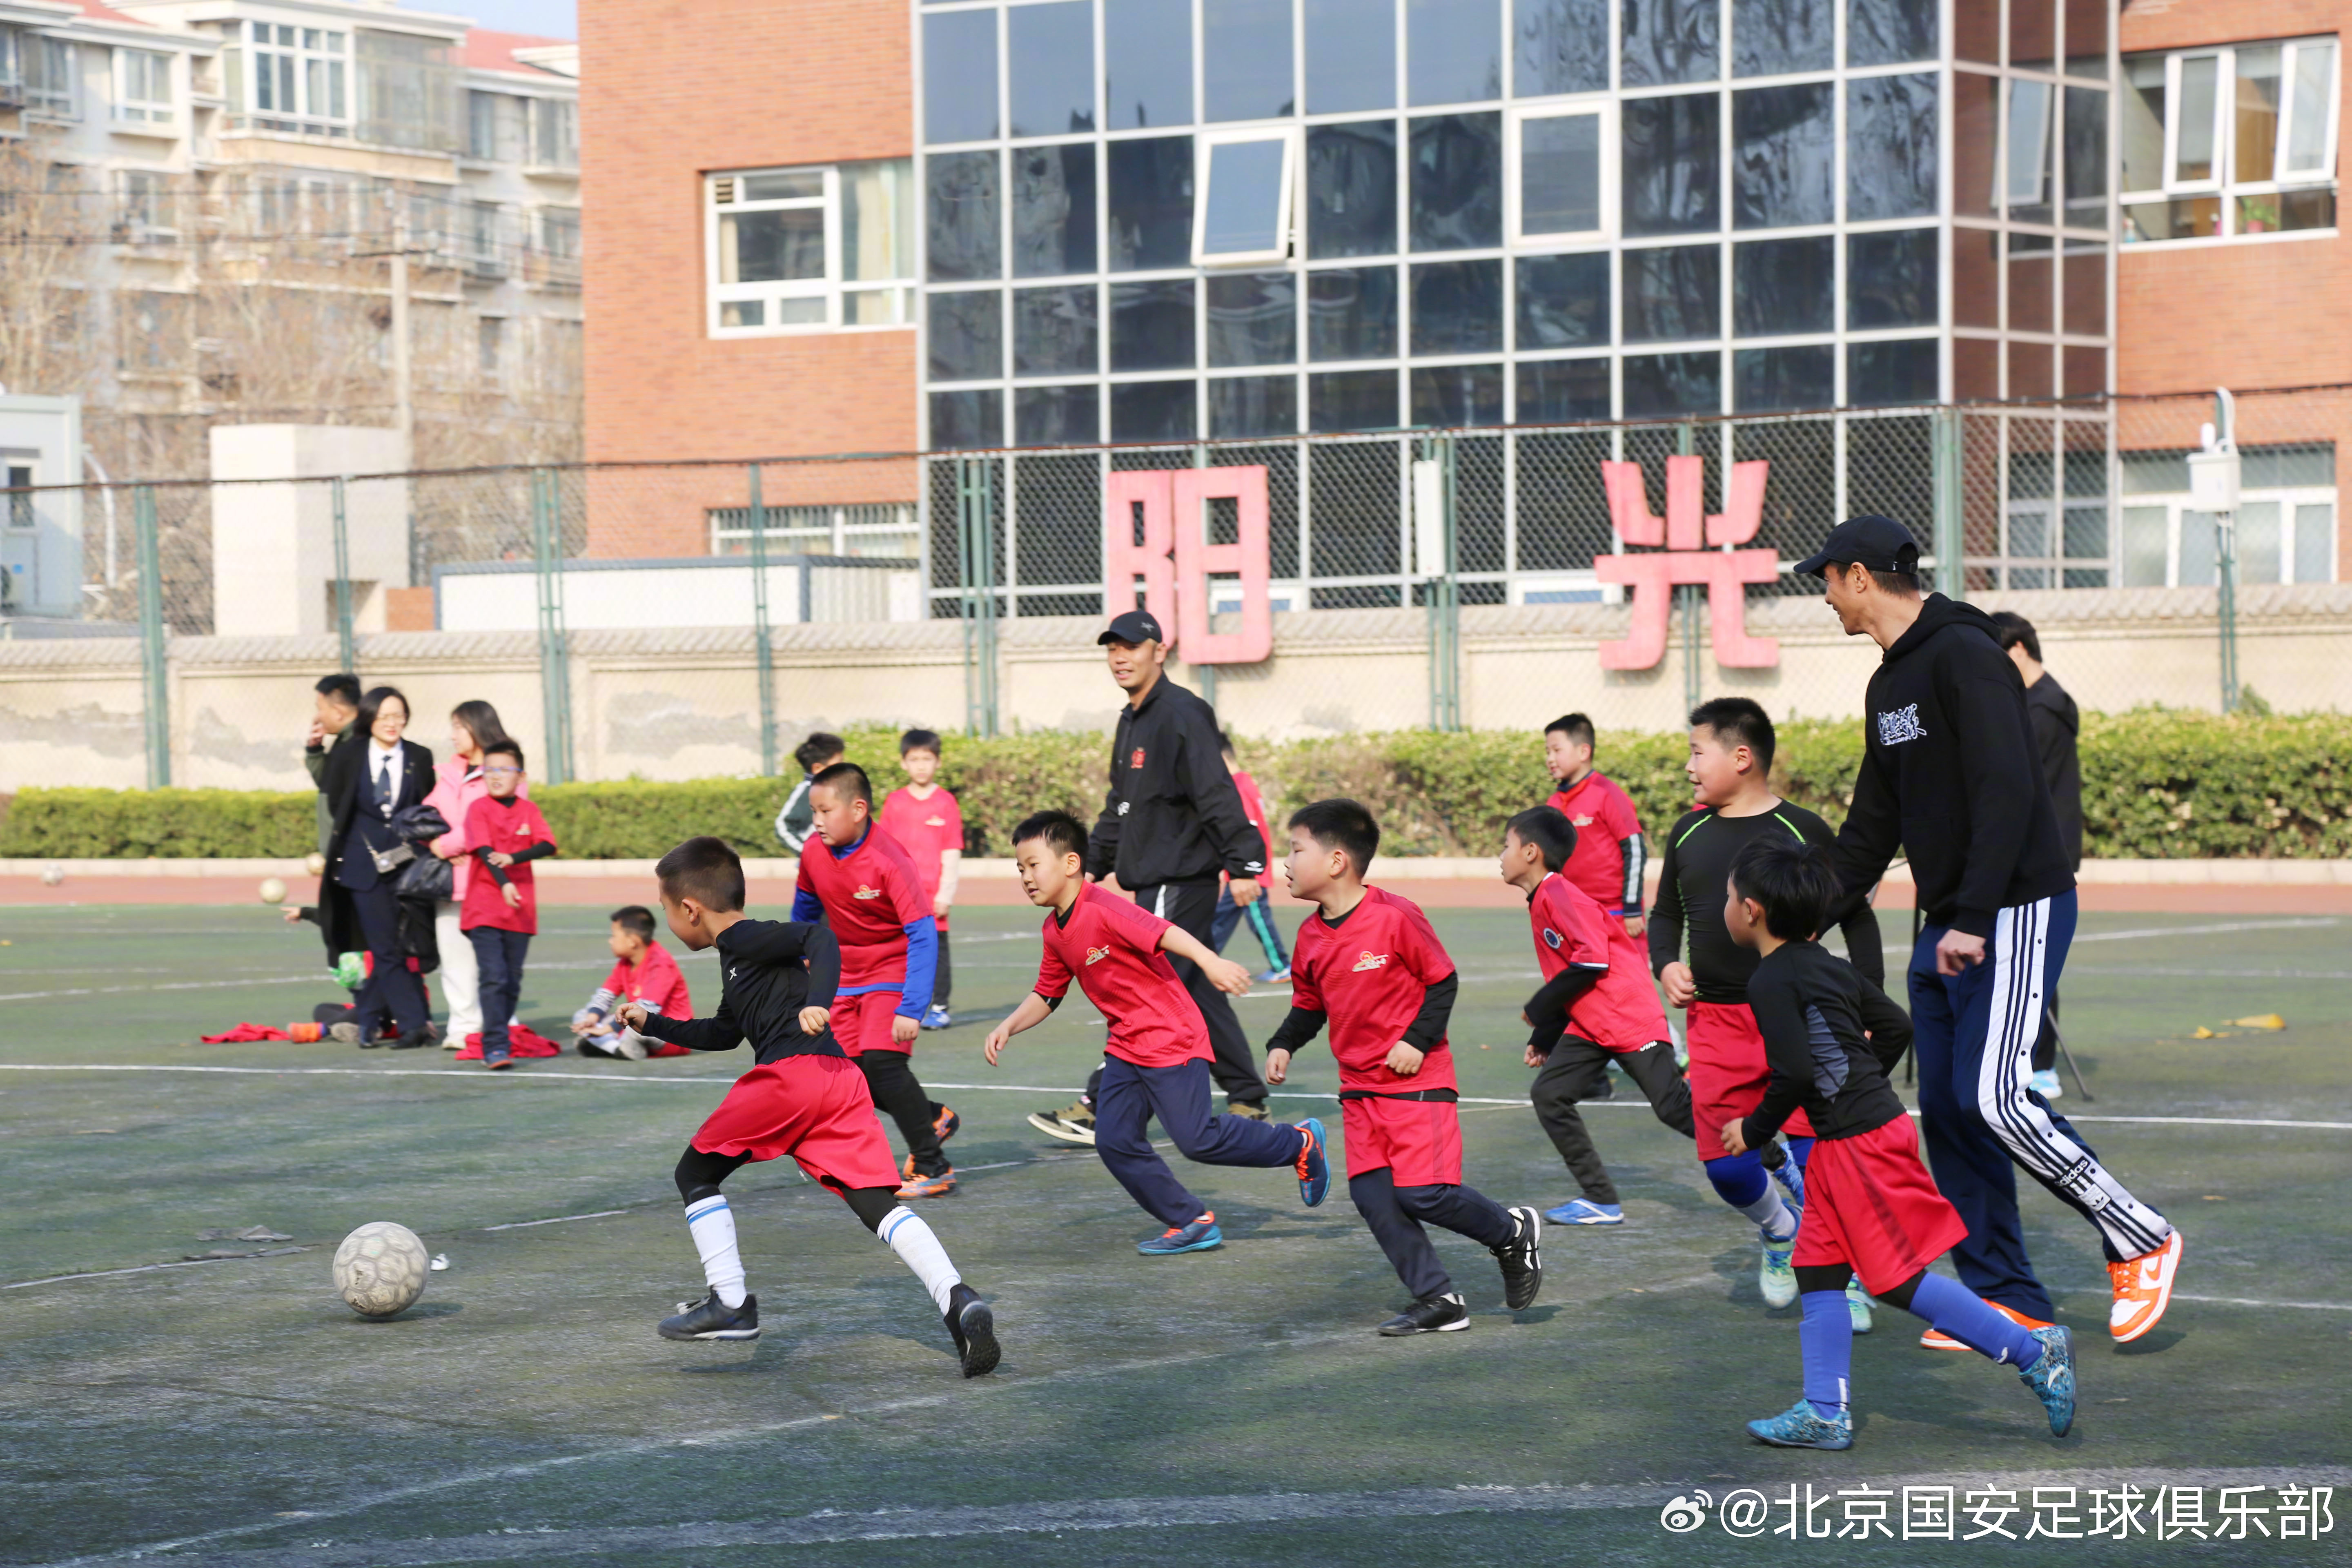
2052	1377
1857	1306
1775	1276
1199	1235
1314	1165
1803	1426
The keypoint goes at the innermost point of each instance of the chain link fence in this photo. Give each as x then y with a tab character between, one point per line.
699	619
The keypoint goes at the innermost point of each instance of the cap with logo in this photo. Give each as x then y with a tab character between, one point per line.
1880	544
1134	626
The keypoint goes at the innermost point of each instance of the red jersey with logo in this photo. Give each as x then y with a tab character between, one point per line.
871	895
509	827
926	829
1616	1012
654	984
1254	808
1111	947
1605	818
1368	975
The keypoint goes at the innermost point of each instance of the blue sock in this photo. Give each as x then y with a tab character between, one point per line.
1800	1150
1961	1313
1826	1338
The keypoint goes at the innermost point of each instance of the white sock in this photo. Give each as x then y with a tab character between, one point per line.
1771	1215
904	1232
713	1225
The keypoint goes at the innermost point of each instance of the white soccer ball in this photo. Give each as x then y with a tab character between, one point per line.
315	863
273	891
52	875
380	1269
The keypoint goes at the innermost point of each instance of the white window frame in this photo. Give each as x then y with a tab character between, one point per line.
53	102
137	230
309	46
1604	110
2178	504
135	102
836	529
832	289
2224	186
1205	145
2044	166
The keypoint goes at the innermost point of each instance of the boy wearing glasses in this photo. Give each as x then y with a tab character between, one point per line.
501	913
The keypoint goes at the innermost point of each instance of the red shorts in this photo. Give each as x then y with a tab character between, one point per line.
1728	1074
1420	1140
862	1023
1871	1205
815	1109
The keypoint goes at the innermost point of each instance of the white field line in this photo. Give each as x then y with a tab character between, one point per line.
2080	938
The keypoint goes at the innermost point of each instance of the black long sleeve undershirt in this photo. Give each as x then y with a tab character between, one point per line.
1547	1010
1301	1025
538	851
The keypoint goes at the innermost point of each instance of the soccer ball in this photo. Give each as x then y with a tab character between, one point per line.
52	875
273	891
380	1269
315	863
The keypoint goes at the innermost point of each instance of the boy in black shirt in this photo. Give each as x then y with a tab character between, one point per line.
1873	1210
805	1097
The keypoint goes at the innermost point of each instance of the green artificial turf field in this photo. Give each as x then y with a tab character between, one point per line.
1231	1407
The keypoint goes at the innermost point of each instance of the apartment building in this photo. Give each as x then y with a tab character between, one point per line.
292	211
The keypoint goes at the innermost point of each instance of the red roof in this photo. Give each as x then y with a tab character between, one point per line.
107	14
487	50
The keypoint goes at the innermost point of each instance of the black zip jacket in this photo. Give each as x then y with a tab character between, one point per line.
1173	814
1949	776
768	971
1811	1008
2056	726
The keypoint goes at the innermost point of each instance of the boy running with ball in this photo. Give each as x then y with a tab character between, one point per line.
1368	965
1157	1061
804	1098
1830	1036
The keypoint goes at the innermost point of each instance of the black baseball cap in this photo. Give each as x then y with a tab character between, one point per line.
1880	544
1135	627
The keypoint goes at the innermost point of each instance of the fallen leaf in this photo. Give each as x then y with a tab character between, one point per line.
440	1261
2261	1021
2203	1033
2215	1198
95	1133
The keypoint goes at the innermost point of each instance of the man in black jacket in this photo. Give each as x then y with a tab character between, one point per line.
1172	821
1948	776
2057	723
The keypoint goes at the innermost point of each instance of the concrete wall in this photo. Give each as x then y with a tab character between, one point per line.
709	590
274	544
676	704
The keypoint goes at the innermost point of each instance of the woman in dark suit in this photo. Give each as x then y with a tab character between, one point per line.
366	786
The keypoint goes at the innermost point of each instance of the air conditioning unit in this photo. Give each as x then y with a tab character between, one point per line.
722	190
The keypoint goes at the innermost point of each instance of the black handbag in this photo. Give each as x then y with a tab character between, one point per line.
427	875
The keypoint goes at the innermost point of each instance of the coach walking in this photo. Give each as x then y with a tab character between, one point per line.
1949	776
1172	822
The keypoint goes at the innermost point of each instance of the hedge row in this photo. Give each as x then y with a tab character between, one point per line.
2156	784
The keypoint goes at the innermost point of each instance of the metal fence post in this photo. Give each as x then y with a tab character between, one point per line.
1948	468
762	644
345	648
1687	445
2225	543
554	661
1437	562
976	545
154	671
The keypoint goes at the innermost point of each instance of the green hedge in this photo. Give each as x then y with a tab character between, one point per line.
2156	784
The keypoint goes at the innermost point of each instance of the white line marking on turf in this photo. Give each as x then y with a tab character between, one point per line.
559	1219
2080	937
111	1273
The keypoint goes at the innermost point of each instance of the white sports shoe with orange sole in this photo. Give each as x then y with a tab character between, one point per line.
2143	1287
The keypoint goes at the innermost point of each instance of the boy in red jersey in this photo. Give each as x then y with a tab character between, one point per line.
1591	1011
501	913
1157	1057
644	972
802	1098
925	821
1611	853
1830	1036
862	884
1259	911
1368	965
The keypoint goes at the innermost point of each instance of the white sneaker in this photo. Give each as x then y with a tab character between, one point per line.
1774	1276
631	1044
2045	1084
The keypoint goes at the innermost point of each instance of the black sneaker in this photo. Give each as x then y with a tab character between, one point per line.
711	1319
973	1328
415	1039
1522	1259
1434	1315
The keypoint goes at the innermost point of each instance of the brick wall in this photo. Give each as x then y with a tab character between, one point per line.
2263	313
670	90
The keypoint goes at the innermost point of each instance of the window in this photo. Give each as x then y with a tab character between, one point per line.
1560	185
559	232
2229	143
300	80
808	250
143	87
482	125
50	78
554	133
2285	522
861	528
147	207
489	333
1244	212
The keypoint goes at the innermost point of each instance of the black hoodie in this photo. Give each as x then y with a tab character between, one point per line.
1950	775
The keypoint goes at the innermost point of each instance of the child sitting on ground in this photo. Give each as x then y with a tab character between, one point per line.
644	972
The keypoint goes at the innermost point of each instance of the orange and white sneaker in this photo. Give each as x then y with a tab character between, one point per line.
1934	1340
937	1186
2143	1287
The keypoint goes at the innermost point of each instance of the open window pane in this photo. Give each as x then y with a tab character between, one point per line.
2026	164
1147	64
1351	56
2256	101
1559	46
2307	146
2193	154
1245	212
1560	175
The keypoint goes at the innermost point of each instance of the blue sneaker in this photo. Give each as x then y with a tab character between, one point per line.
1198	1236
2052	1377
1314	1165
1584	1211
937	1018
1792	1177
1803	1426
2045	1084
1278	975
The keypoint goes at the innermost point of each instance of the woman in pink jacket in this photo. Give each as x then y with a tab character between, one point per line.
457	785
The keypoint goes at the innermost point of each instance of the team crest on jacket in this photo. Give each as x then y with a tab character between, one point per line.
1096	954
1551	939
1136	760
1901	724
866	892
1581	821
1371	961
935	822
